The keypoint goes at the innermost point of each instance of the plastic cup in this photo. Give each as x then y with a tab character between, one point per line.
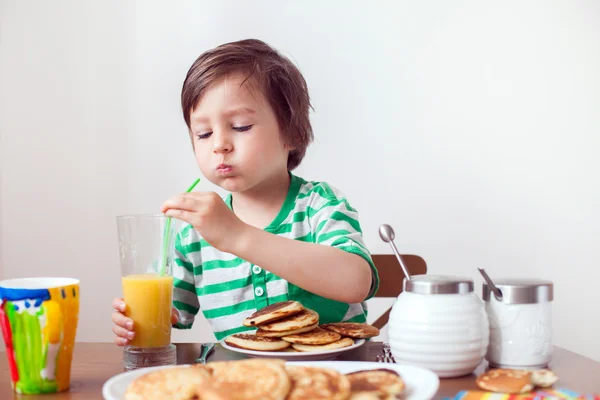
39	319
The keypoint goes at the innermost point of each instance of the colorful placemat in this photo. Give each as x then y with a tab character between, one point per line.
546	394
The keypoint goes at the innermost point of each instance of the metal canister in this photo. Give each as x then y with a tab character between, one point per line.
520	322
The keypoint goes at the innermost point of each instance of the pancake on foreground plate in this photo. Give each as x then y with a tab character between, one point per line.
263	379
376	384
253	342
274	312
252	378
352	329
345	342
179	383
317	383
303	319
315	336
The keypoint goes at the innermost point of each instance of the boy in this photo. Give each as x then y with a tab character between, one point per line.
276	237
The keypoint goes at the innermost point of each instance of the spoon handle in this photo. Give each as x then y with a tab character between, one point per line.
495	290
399	257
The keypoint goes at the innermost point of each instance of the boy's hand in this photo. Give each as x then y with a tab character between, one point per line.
123	328
209	215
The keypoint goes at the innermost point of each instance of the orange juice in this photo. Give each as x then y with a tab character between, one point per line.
149	299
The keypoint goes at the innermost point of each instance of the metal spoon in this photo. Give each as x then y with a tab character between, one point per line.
386	233
497	292
205	351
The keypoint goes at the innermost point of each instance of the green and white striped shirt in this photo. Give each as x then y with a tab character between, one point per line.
229	289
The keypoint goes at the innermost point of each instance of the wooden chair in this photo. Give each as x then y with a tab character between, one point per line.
391	277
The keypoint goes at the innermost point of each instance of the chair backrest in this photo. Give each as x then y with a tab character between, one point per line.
391	277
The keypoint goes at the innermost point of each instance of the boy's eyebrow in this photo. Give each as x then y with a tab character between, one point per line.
229	113
241	110
199	120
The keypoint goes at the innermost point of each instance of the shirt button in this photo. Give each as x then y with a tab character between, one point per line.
259	291
256	269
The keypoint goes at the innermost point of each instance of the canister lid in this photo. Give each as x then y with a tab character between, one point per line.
438	284
521	291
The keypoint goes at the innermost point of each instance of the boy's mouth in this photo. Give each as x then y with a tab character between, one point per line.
224	168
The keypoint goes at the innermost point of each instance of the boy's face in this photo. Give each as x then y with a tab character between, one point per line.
236	136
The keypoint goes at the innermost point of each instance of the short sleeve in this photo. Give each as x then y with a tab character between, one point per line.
185	299
335	223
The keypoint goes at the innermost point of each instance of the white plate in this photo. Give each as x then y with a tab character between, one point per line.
299	356
421	384
115	387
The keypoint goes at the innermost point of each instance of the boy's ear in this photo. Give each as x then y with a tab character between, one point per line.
289	147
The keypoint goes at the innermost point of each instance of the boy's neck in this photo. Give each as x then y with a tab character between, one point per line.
260	205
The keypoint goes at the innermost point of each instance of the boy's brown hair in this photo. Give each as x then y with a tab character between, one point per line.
279	80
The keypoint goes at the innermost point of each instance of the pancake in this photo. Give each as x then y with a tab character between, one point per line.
367	396
290	350
252	378
253	342
345	342
262	333
377	383
505	381
354	330
274	312
178	383
303	319
317	383
315	336
543	378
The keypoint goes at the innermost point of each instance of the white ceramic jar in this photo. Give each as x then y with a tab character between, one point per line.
439	323
520	323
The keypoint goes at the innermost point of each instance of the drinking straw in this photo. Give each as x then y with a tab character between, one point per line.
167	235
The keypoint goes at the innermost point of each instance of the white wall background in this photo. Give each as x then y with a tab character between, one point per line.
472	127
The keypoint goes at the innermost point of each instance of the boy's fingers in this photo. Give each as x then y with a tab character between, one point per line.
118	304
122	321
123	333
181	202
189	201
119	341
174	316
179	214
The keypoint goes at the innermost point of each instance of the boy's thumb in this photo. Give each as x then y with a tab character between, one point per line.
174	316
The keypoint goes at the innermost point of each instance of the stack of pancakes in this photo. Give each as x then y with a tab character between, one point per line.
289	326
265	380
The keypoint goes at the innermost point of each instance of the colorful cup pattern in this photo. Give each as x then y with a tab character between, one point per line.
39	327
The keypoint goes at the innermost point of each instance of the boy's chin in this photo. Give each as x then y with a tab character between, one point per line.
231	184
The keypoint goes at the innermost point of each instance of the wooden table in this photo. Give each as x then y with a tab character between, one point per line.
94	363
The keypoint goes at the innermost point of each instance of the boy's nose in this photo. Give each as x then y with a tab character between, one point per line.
222	144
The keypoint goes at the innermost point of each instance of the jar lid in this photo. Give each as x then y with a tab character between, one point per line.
438	284
521	291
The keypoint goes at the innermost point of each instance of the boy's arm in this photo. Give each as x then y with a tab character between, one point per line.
332	270
185	299
335	266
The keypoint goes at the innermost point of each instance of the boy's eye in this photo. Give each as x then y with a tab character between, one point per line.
203	135
242	128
